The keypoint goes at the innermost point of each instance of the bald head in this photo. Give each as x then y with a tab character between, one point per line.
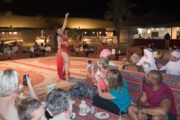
155	77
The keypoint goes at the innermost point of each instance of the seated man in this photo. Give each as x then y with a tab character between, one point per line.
132	65
172	67
59	104
159	97
30	109
41	47
14	48
36	47
47	48
7	50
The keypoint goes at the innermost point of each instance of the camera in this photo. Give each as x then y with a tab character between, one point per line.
25	77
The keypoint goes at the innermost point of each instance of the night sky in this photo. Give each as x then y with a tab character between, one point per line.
85	8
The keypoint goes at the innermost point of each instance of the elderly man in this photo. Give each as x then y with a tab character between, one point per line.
59	105
147	61
159	97
172	67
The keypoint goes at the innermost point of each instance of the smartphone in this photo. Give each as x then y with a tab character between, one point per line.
89	64
25	77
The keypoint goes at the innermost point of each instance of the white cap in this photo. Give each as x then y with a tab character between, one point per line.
176	54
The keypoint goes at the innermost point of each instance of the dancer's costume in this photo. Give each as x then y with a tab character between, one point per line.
60	66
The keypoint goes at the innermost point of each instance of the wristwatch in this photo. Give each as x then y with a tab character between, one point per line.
141	111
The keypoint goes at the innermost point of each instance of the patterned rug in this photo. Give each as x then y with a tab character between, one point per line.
42	71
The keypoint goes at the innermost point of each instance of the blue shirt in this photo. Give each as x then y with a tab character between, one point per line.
122	98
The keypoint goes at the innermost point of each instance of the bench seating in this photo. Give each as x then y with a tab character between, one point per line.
174	83
3	57
135	84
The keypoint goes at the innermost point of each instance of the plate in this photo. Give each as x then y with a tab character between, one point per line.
102	115
82	114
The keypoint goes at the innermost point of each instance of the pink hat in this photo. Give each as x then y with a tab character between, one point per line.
105	53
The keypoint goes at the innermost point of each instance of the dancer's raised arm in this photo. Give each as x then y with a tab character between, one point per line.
65	22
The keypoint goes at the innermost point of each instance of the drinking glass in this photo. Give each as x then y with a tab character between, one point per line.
120	117
93	109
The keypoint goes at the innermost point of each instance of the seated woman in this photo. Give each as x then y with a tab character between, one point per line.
116	97
89	91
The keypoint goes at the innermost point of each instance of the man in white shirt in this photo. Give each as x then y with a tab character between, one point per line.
14	49
173	66
7	50
47	48
41	47
31	49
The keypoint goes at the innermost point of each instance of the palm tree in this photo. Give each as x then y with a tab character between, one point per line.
119	12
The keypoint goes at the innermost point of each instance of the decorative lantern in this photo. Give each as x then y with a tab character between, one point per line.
83	108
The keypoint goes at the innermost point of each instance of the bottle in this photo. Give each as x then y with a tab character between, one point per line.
120	117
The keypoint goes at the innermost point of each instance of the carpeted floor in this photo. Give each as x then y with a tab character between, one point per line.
43	72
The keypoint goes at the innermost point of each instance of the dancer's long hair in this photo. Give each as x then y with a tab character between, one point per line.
55	36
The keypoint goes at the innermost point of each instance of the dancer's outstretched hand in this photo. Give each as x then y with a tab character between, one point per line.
67	14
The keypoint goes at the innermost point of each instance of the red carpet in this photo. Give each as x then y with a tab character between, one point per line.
42	71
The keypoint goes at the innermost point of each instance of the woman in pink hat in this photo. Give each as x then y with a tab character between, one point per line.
106	53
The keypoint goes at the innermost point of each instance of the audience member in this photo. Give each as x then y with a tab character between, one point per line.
14	48
59	105
31	49
106	53
30	109
116	97
76	48
132	64
9	92
85	46
41	47
36	47
172	67
147	61
7	50
168	54
47	48
159	97
81	89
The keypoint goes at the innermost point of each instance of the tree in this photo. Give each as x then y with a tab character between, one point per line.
119	11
